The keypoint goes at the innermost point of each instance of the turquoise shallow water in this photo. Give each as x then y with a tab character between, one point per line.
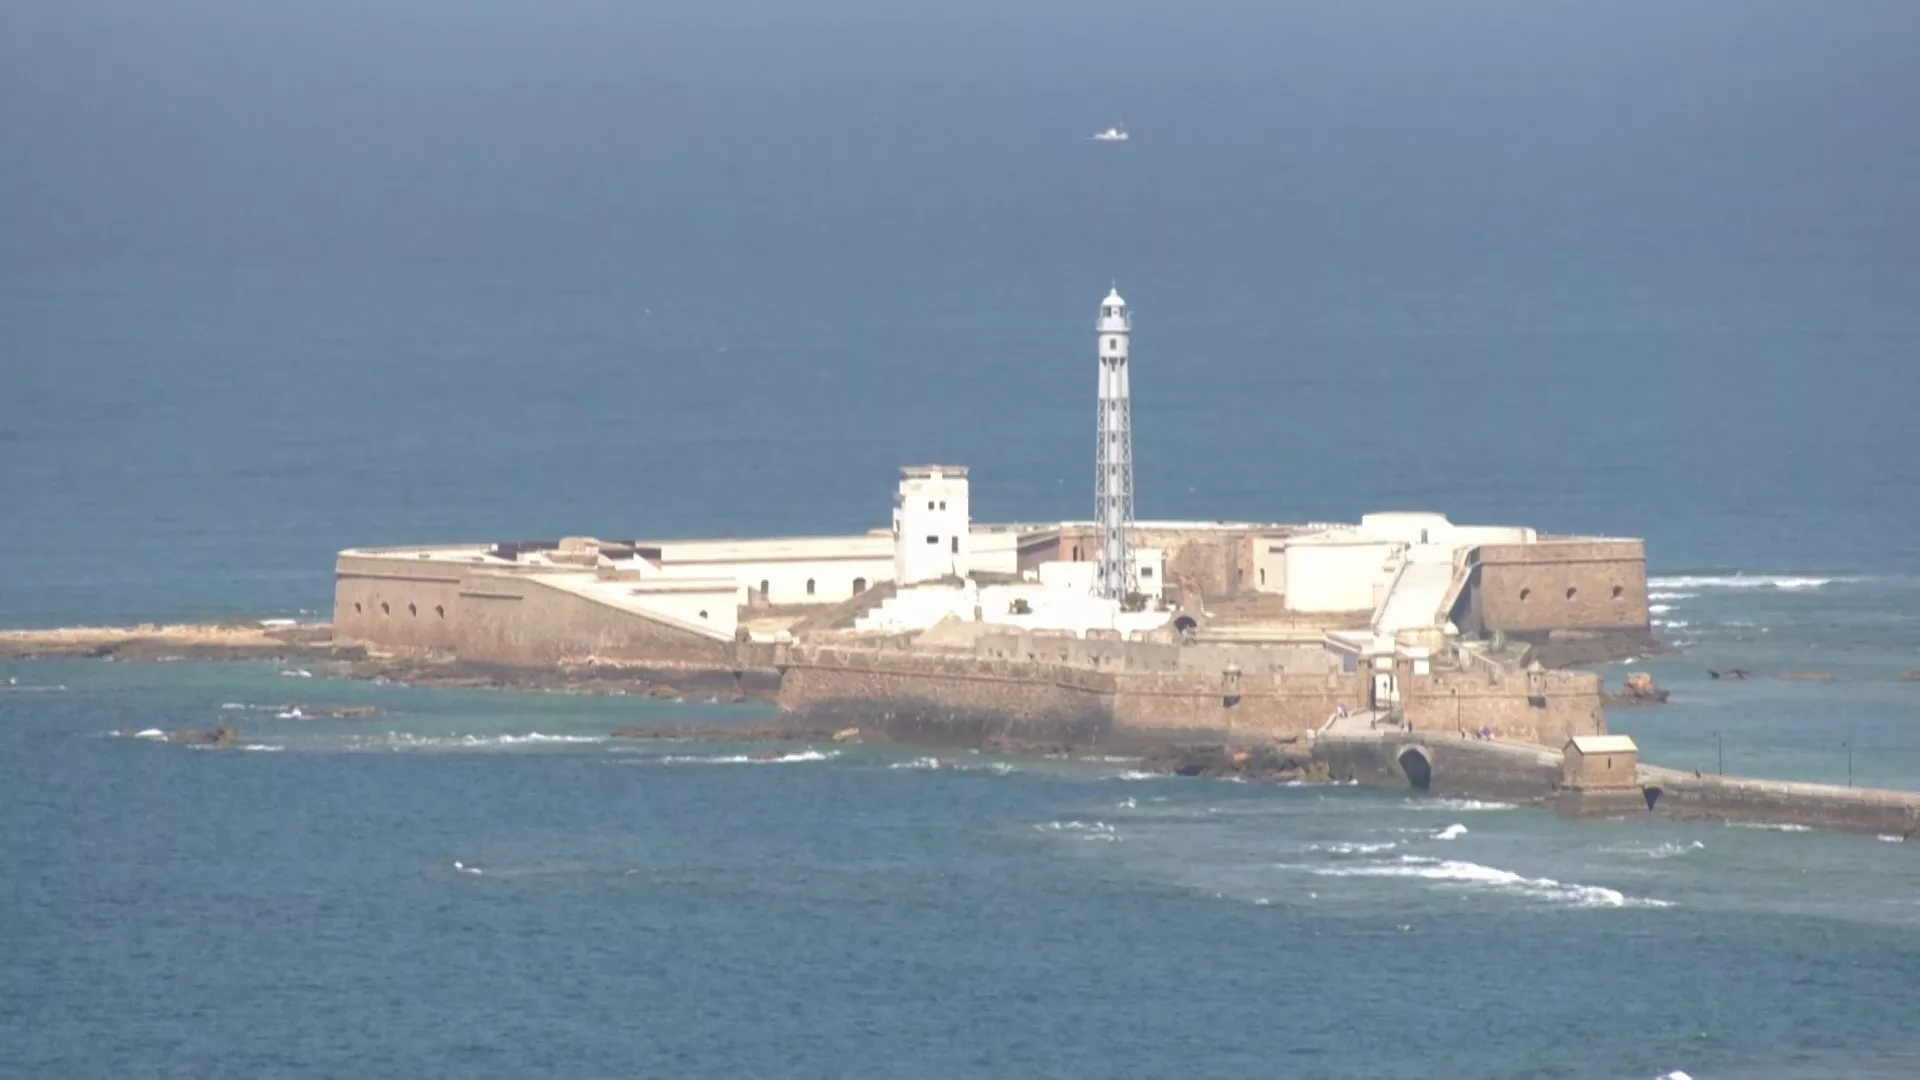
278	280
680	909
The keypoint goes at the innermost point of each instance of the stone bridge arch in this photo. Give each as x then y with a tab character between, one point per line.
1417	767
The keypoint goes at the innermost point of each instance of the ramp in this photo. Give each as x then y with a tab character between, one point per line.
1418	592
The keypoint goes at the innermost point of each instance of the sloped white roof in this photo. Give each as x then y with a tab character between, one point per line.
1604	744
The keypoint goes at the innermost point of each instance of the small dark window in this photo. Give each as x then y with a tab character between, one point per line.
703	614
1147	572
440	610
809	586
943	504
929	504
1076	553
933	540
1618	592
1572	592
956	545
385	609
859	585
413	610
1524	593
356	607
763	588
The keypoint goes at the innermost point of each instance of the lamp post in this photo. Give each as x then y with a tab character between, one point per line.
1848	747
1720	751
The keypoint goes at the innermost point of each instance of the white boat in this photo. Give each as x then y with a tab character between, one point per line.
1112	134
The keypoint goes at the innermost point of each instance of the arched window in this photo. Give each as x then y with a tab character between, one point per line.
809	586
1618	592
763	588
1524	593
859	585
1572	592
356	607
385	609
440	610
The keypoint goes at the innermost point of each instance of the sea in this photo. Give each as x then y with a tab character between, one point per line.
276	280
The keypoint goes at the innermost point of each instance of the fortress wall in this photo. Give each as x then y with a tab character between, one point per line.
1253	707
1552	585
489	616
1543	707
946	700
392	604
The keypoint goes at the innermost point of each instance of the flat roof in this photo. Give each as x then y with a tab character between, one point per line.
1604	744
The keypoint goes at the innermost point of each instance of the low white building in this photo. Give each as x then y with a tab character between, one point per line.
932	530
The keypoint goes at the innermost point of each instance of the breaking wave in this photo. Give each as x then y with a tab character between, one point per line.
1770	826
1659	609
1672	624
797	757
1449	872
1354	848
1457	804
405	741
1739	581
1136	774
1668	850
1086	830
1670	595
917	763
1451	832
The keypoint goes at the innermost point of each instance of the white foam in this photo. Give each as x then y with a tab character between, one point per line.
1672	624
1451	832
1674	1075
1449	872
1659	609
1668	594
1086	830
255	748
1457	804
1769	825
1136	774
1354	848
407	741
150	733
1740	581
297	673
917	763
748	759
1887	839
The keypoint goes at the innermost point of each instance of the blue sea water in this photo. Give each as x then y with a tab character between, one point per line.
275	281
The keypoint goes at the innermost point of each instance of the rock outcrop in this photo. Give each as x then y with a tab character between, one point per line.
1638	689
1268	763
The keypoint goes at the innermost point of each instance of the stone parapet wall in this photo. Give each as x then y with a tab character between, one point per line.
1534	589
1542	707
1676	794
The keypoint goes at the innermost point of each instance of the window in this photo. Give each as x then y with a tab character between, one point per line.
1524	593
1572	592
809	586
440	610
1147	572
929	504
763	588
933	540
703	614
1076	553
413	610
956	545
356	607
1618	592
384	609
943	504
859	585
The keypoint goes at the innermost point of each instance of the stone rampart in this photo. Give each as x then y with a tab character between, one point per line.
1441	764
1530	590
491	615
1542	707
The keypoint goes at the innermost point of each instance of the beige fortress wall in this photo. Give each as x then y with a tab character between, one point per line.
490	616
1253	707
1543	707
944	700
1532	589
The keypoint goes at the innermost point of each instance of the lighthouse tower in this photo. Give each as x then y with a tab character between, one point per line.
1113	482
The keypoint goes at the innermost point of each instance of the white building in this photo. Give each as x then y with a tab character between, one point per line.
932	537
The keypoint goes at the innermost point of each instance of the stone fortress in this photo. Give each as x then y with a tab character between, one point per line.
1088	630
1404	648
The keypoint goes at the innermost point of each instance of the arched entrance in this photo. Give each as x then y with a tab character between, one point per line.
1418	769
1184	623
1653	795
